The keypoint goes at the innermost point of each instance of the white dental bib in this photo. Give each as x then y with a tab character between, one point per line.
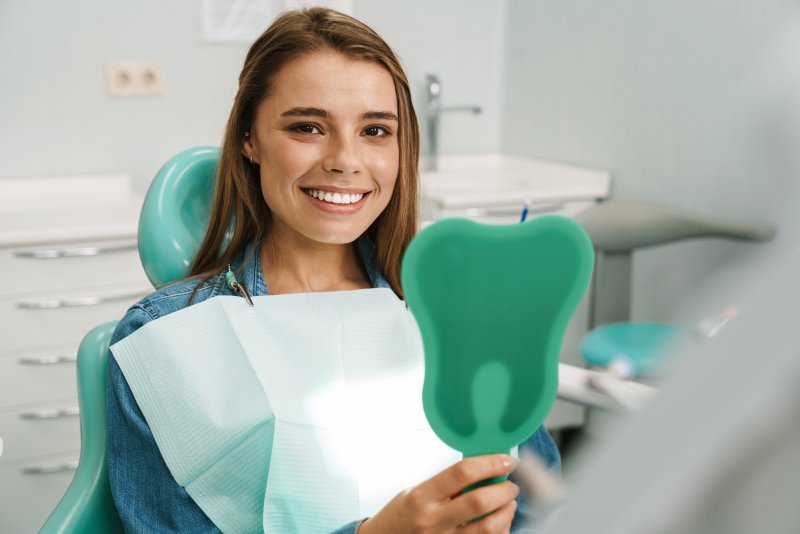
300	414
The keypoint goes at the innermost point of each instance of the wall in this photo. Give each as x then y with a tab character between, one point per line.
56	118
55	114
672	98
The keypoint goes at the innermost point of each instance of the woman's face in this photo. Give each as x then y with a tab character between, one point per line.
326	143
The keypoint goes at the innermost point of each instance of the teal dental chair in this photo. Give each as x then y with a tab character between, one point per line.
171	225
617	228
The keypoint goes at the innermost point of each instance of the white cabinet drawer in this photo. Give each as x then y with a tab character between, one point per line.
38	430
69	265
62	318
29	492
30	377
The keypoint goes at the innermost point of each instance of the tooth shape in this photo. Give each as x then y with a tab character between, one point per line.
492	304
336	198
328	197
346	199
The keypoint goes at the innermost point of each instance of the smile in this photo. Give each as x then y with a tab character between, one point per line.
335	197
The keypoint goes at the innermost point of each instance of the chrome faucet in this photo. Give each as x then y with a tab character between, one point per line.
433	110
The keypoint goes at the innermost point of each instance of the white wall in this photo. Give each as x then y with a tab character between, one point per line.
668	96
55	115
56	118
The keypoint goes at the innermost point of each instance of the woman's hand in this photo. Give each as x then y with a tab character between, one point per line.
437	505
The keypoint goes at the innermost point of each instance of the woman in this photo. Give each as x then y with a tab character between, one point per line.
317	187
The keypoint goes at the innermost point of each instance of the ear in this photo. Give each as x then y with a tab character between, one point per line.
248	146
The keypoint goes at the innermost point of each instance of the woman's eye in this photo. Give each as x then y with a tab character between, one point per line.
306	128
376	131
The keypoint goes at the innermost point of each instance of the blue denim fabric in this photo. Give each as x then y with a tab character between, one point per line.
146	495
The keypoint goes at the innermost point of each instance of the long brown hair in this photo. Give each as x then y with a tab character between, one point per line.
239	214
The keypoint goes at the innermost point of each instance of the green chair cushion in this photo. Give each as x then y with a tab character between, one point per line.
644	345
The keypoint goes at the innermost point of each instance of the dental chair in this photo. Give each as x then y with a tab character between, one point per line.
173	220
617	228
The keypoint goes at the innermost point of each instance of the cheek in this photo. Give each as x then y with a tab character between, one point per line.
288	159
385	166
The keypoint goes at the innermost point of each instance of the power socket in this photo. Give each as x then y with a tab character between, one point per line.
134	78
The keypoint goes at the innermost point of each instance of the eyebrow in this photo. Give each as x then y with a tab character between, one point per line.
380	115
317	112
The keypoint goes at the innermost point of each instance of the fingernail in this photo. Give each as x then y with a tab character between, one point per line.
516	490
510	463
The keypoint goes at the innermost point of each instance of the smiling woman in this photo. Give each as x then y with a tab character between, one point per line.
323	105
302	412
325	143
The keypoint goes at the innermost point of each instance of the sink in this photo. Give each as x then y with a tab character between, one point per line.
481	180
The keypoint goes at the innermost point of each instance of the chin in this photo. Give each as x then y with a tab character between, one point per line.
336	238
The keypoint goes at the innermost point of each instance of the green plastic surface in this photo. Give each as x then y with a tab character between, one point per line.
87	506
175	214
643	345
492	303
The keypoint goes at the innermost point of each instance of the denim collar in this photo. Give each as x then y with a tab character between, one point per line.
251	274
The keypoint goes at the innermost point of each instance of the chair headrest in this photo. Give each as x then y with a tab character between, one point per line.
175	214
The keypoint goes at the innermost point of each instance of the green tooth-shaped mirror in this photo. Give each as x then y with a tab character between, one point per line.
492	304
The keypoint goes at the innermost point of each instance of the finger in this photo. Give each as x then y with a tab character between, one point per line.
498	522
477	503
468	471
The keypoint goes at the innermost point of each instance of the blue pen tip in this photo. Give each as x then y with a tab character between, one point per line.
525	208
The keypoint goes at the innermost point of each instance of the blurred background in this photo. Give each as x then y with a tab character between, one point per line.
692	105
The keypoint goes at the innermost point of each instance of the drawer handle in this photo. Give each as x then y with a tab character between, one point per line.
505	212
43	415
74	252
48	469
50	359
75	302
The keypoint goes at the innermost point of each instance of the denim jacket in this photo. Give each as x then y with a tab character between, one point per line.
146	495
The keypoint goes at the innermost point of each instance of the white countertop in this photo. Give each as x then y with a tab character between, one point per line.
499	179
67	208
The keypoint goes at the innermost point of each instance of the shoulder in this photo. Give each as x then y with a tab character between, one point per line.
167	300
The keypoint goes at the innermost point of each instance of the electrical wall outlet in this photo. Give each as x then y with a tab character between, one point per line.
134	78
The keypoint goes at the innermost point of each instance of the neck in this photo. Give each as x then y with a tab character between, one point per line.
293	263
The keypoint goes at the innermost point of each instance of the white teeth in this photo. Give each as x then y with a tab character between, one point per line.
335	198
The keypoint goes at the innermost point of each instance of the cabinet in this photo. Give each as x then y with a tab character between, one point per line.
68	262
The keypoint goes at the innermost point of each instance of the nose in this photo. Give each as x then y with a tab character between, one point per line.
342	156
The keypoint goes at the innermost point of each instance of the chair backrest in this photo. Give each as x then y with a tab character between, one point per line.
172	222
175	214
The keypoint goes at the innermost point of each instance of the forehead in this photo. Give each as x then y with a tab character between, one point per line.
333	82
